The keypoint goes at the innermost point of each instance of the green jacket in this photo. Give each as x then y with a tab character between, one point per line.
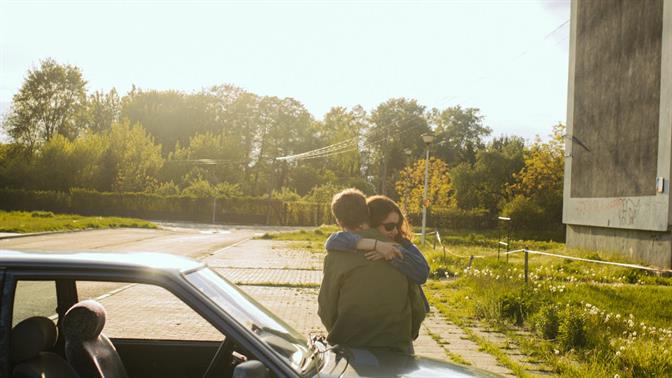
368	304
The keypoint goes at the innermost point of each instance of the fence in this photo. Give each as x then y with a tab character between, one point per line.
527	252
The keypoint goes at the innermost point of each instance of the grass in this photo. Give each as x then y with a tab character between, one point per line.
39	221
608	320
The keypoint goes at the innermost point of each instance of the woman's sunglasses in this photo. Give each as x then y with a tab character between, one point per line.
391	226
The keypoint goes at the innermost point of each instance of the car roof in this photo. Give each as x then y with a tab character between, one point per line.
97	260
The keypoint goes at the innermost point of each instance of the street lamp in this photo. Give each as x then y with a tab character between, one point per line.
428	138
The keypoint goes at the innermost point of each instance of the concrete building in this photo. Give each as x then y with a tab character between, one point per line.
619	129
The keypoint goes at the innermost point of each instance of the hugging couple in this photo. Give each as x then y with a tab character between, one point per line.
370	294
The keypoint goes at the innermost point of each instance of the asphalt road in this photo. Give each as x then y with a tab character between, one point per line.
186	239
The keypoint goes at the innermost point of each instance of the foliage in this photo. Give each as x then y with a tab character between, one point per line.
103	109
234	209
50	102
223	142
484	185
285	194
460	133
410	186
133	156
167	189
323	193
395	128
541	178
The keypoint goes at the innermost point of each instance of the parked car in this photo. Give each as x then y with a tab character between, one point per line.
243	339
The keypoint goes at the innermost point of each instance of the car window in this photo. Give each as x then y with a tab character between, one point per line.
138	311
34	298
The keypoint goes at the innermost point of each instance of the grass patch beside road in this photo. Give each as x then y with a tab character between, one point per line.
585	319
38	221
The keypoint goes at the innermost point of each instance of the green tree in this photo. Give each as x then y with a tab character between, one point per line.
411	185
134	158
459	132
485	183
50	102
103	109
395	127
541	178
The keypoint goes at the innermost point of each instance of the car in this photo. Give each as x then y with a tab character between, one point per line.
238	336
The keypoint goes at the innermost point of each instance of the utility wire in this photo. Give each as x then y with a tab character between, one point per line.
345	146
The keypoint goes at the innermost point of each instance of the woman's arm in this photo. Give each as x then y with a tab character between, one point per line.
350	241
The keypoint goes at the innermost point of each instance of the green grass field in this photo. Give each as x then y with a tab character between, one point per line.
38	221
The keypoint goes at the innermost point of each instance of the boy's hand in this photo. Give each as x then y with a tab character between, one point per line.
384	250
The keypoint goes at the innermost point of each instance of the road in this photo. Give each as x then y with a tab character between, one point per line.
192	240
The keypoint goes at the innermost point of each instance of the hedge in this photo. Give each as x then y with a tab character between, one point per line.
245	210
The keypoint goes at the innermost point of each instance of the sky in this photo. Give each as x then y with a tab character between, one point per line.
509	58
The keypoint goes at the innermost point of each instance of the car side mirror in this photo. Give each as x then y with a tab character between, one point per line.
250	369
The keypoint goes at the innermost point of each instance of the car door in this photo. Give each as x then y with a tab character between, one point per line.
154	332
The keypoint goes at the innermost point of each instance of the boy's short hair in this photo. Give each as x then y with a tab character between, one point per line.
349	208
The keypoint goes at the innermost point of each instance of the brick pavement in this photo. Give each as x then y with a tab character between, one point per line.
283	278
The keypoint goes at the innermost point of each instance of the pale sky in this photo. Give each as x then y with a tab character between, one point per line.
495	55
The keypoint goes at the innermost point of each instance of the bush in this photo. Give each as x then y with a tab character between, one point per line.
42	214
516	306
241	210
547	322
572	329
454	218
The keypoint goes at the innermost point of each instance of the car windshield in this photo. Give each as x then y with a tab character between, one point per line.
277	334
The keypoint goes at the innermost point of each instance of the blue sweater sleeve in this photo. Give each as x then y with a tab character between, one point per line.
414	265
342	241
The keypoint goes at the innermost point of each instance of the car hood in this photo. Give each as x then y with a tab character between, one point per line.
352	362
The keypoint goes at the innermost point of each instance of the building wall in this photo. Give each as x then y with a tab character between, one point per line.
619	128
616	98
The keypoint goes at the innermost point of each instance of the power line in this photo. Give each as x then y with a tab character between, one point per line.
345	146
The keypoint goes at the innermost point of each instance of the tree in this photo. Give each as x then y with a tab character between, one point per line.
396	126
50	102
541	178
411	184
485	183
103	109
459	133
134	158
342	125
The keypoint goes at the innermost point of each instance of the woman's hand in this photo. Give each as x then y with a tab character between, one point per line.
384	250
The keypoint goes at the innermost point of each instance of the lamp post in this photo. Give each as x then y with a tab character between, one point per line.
428	138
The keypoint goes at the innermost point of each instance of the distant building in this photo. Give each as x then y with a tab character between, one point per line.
619	128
